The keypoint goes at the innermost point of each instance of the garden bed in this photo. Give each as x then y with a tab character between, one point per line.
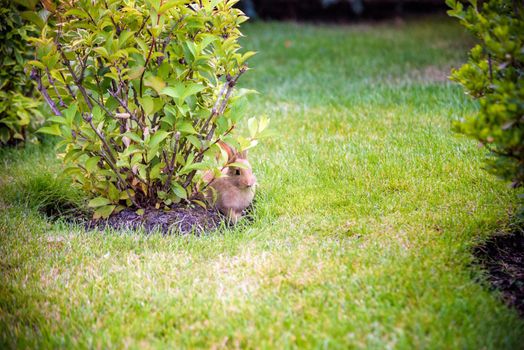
180	219
503	257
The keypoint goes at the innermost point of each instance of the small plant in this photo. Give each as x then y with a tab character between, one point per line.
20	113
494	75
142	92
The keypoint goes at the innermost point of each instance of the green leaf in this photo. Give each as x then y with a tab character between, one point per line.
191	89
36	64
263	123
169	5
124	37
148	104
178	190
173	91
252	125
113	192
158	137
91	163
155	171
33	17
98	202
155	82
104	212
58	120
186	127
194	141
51	130
101	51
238	165
133	136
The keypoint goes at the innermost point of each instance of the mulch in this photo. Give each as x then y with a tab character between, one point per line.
503	258
179	219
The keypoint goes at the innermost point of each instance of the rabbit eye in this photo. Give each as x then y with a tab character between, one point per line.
237	172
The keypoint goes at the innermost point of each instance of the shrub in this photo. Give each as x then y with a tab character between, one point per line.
19	111
142	91
494	75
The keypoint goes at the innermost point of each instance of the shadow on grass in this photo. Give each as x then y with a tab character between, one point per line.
46	193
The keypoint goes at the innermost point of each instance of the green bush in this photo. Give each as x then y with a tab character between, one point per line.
20	113
494	75
142	91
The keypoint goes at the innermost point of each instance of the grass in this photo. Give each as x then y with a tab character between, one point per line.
367	211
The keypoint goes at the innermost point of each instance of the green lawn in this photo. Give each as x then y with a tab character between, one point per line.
367	211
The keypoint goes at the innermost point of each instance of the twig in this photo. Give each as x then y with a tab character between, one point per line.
142	26
35	74
231	82
78	82
107	111
73	95
122	182
118	30
201	153
153	43
214	110
89	119
126	108
171	167
52	82
111	161
167	40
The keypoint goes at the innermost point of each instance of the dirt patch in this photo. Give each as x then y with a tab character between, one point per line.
429	74
503	257
180	219
437	74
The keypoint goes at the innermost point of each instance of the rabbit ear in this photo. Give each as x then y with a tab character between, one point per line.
229	150
243	154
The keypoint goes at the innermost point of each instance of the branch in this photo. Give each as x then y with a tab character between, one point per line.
153	43
73	95
101	105
231	82
78	82
201	153
111	161
216	111
126	108
167	40
83	66
123	184
89	119
52	82
35	74
171	167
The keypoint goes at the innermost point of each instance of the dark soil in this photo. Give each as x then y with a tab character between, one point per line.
181	220
503	257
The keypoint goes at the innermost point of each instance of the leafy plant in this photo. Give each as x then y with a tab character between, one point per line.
494	75
20	113
142	91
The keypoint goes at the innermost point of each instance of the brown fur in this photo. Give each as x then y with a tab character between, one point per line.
232	193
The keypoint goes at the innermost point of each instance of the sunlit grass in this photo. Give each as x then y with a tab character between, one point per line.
367	210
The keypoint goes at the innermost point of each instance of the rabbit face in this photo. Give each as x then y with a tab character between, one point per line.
242	178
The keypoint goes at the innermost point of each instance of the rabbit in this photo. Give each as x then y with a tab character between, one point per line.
233	192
